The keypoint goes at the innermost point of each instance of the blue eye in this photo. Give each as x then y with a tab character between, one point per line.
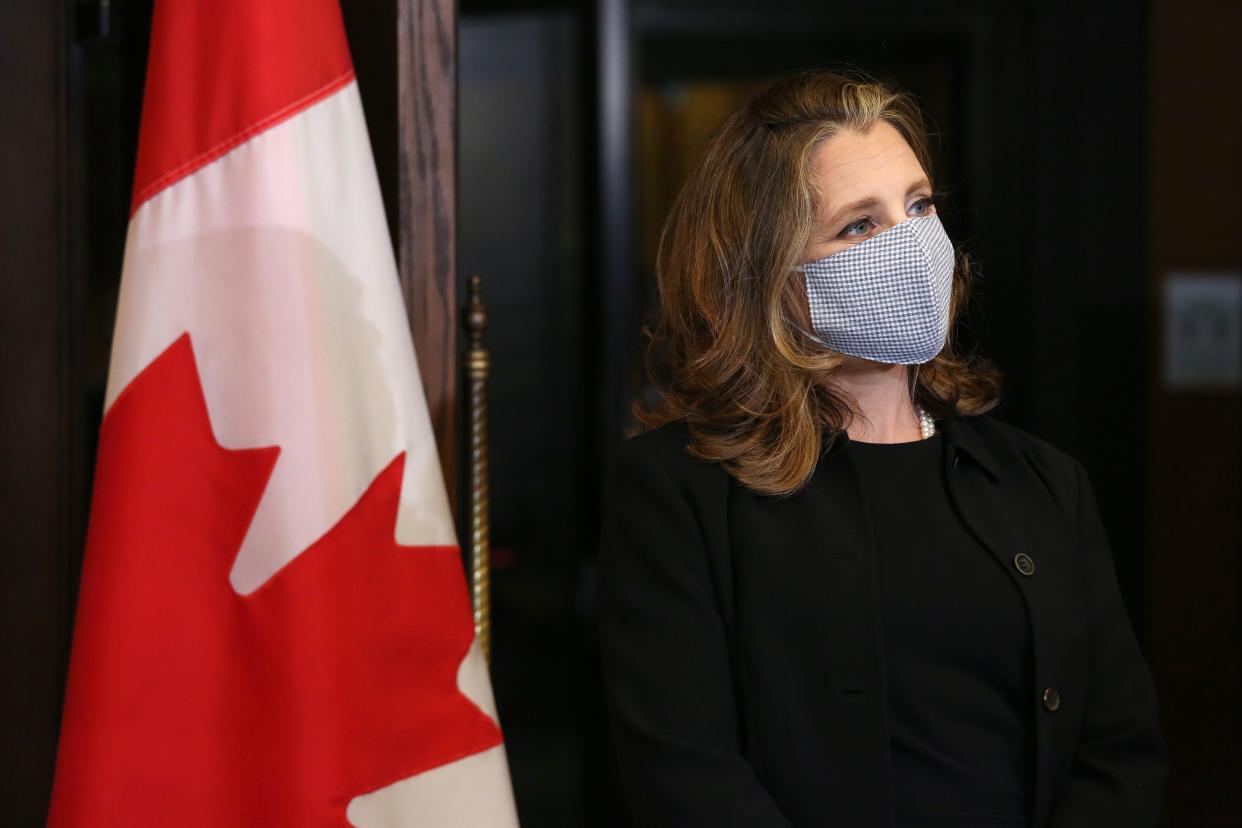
860	223
926	204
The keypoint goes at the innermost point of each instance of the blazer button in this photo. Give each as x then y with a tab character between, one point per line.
1023	563
1052	699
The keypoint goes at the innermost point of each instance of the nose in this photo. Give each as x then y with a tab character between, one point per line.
892	214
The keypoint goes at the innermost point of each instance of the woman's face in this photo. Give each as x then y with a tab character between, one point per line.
867	182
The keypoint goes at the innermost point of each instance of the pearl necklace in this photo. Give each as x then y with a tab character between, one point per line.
926	424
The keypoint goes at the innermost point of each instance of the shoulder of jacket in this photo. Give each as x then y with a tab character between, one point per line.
667	446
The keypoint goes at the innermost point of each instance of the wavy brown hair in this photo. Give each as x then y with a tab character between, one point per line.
727	349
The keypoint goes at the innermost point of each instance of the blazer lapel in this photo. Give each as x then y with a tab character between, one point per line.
1004	505
816	551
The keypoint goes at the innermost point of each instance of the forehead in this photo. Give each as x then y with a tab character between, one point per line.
852	165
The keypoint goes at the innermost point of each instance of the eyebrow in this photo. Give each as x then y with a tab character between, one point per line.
871	201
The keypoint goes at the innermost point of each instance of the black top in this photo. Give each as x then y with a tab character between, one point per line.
956	642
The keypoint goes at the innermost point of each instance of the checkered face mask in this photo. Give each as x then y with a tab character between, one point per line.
887	298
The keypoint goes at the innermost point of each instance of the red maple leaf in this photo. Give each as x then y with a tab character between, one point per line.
188	704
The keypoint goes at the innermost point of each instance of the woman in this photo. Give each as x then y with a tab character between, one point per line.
833	590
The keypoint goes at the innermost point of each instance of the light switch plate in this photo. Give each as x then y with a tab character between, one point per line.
1203	331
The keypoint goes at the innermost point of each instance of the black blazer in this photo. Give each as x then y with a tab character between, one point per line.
742	663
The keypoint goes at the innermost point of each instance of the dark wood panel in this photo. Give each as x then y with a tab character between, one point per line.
39	456
1192	448
427	191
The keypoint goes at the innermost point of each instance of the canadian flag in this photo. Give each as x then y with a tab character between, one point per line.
274	626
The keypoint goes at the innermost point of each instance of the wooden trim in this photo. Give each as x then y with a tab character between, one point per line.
427	188
42	466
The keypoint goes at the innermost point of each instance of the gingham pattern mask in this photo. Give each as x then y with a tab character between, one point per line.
887	298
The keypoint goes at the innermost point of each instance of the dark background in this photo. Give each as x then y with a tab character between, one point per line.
1087	150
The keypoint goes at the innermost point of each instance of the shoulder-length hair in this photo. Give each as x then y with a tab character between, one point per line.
727	349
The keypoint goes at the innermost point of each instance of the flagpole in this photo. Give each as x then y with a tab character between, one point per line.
478	364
